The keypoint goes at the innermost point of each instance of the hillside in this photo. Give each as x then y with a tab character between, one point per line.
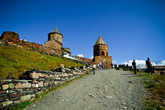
14	61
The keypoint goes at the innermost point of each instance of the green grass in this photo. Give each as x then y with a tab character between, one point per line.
15	61
156	86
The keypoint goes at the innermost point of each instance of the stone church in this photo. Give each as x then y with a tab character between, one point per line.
55	41
101	53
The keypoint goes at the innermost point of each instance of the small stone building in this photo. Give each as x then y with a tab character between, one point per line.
101	53
55	41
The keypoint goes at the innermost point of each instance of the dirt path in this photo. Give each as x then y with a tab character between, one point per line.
107	90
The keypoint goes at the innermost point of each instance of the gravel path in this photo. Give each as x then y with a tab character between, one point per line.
107	90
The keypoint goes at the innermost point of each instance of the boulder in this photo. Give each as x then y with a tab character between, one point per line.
26	85
35	85
19	86
17	101
60	69
25	98
6	103
72	68
40	84
35	75
3	97
11	85
14	96
67	70
5	86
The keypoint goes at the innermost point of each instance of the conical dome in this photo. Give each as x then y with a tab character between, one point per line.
100	41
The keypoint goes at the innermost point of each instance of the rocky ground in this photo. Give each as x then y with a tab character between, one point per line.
107	90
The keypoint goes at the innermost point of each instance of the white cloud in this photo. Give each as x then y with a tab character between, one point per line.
153	64
139	63
162	63
80	55
91	57
142	63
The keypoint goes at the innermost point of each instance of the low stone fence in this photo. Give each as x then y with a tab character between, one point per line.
33	82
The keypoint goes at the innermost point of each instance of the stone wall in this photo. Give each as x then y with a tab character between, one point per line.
41	48
66	51
55	36
55	40
34	82
12	38
101	50
159	69
107	60
85	59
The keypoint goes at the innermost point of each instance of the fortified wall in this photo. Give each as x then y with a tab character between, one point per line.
89	61
52	47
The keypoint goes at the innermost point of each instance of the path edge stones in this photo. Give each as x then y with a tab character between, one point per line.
23	105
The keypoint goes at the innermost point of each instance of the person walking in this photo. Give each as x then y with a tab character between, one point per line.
102	65
134	66
94	69
149	66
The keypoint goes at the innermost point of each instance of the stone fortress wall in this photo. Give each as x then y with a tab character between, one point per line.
52	47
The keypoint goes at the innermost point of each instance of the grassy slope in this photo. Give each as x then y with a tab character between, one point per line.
14	61
156	85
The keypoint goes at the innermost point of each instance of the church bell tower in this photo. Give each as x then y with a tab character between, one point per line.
100	52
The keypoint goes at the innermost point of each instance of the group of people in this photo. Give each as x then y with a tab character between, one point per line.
99	66
148	65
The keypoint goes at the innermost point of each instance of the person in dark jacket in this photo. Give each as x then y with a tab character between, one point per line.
134	66
149	65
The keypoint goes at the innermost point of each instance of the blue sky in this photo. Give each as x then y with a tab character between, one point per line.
133	29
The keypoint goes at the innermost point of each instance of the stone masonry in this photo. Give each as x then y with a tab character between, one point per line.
33	83
54	40
52	47
10	37
101	53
